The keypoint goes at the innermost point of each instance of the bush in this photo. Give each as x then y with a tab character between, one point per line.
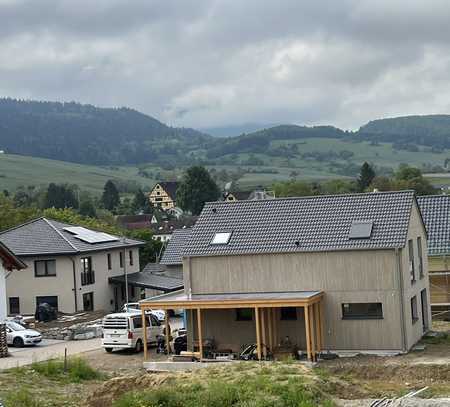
77	370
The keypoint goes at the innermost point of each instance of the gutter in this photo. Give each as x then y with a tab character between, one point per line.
402	303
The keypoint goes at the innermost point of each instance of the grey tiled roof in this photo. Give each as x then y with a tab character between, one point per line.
149	280
44	236
436	215
318	223
174	249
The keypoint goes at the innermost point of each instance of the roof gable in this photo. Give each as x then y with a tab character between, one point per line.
174	251
170	187
435	210
44	236
318	223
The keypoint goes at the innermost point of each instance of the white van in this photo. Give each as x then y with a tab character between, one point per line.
124	330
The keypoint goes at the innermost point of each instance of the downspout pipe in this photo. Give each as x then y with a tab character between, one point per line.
74	283
402	298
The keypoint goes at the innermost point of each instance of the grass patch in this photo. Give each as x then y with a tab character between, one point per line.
258	387
78	370
439	339
21	398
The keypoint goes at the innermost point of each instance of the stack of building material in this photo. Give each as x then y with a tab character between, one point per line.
3	344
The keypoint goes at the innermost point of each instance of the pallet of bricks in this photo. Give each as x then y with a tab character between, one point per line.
3	344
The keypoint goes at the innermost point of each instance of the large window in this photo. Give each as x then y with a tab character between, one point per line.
51	300
362	310
45	268
87	274
130	253
244	314
419	251
414	314
288	314
14	305
109	261
121	259
412	270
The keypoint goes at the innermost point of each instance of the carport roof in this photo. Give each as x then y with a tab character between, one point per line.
179	299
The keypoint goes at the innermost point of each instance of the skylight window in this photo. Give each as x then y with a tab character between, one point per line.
361	229
221	238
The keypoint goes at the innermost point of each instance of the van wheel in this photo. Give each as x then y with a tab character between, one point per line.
18	342
109	350
138	347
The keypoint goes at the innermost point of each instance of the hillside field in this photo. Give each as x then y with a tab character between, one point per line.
18	170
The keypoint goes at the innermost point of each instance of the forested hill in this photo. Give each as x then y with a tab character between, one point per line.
431	130
104	136
91	135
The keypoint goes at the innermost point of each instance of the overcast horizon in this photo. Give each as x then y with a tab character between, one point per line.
222	63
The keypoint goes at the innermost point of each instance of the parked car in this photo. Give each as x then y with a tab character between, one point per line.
19	336
124	330
135	307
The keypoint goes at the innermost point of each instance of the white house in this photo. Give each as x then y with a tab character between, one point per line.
8	262
68	267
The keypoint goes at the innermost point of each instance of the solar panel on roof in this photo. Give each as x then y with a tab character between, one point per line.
90	236
361	229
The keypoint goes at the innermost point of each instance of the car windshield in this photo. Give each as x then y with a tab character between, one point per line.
15	326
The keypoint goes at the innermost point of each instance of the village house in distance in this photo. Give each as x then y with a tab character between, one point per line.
163	195
339	273
68	267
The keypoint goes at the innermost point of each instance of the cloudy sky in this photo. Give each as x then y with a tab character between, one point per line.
221	62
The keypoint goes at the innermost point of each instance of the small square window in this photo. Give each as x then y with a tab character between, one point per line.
244	314
221	238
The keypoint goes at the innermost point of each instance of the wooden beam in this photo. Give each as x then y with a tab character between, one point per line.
307	332
263	333
275	326
258	334
166	315
313	333
144	327
200	334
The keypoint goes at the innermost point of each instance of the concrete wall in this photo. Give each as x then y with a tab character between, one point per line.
3	306
345	277
27	287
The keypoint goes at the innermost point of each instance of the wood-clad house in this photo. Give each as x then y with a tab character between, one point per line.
436	214
163	195
339	273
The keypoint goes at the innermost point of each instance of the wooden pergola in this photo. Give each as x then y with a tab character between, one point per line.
265	305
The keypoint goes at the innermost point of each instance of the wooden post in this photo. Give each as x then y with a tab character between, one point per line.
275	326
313	333
258	334
144	331
322	321
270	328
307	331
318	326
200	336
263	332
166	314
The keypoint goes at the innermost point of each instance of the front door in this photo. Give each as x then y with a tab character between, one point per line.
88	302
424	301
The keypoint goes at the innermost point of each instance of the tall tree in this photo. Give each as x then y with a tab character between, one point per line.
140	202
411	178
196	188
366	176
110	197
60	196
87	208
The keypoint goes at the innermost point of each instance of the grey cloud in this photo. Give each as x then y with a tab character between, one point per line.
209	63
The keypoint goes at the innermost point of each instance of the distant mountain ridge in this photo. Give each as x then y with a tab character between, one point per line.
90	135
119	136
